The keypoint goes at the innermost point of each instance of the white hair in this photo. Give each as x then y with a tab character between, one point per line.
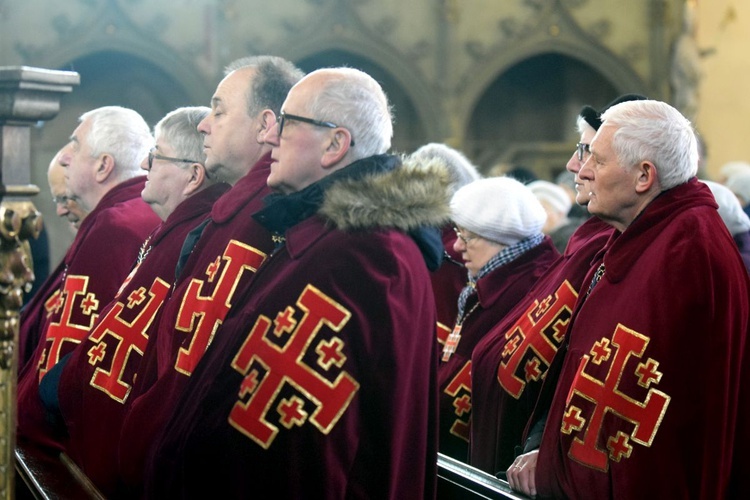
121	133
179	129
654	131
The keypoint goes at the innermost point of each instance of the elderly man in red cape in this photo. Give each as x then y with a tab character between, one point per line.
102	161
96	379
650	394
219	256
322	381
510	363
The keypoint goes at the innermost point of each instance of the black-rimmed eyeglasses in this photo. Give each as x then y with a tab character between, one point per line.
152	156
283	117
582	148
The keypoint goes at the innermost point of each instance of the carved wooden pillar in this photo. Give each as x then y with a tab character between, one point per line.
27	95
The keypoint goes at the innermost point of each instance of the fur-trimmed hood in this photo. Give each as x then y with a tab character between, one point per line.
376	192
406	198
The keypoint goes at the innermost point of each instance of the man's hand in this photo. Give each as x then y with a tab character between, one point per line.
522	474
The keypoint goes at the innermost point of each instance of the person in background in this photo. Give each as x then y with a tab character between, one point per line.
498	222
103	175
736	221
739	184
450	278
668	294
557	204
64	205
328	363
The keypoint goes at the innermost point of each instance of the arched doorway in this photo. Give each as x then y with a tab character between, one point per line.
526	117
408	133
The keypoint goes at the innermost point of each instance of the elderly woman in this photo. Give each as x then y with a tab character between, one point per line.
498	223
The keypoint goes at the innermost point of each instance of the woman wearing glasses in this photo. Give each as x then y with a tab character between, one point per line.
498	227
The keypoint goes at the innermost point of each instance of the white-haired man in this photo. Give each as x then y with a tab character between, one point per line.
327	365
649	399
98	376
103	175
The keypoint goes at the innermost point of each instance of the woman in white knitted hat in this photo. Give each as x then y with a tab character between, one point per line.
498	222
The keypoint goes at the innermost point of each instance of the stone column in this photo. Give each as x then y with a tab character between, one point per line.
27	96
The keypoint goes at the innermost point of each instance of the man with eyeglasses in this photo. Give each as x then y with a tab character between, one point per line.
652	379
220	255
510	363
92	385
327	368
102	173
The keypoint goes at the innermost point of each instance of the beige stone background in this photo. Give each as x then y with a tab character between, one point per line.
723	36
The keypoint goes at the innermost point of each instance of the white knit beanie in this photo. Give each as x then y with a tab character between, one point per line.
498	209
553	194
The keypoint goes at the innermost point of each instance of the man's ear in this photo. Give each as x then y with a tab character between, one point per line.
267	120
197	178
648	177
337	148
105	168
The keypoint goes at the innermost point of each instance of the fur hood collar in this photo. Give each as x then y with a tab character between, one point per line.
406	198
377	192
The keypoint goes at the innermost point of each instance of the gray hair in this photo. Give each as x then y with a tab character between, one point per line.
654	131
179	128
271	83
461	170
353	99
122	133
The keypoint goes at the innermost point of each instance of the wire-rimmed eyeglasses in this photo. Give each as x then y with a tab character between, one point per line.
152	156
462	237
283	117
582	148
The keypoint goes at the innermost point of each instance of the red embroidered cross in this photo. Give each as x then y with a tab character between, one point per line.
200	315
572	420
330	353
537	334
292	412
532	370
97	353
647	373
284	366
136	297
459	389
462	405
54	303
127	336
608	398
89	304
284	322
213	268
65	331
249	384
600	352
619	446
